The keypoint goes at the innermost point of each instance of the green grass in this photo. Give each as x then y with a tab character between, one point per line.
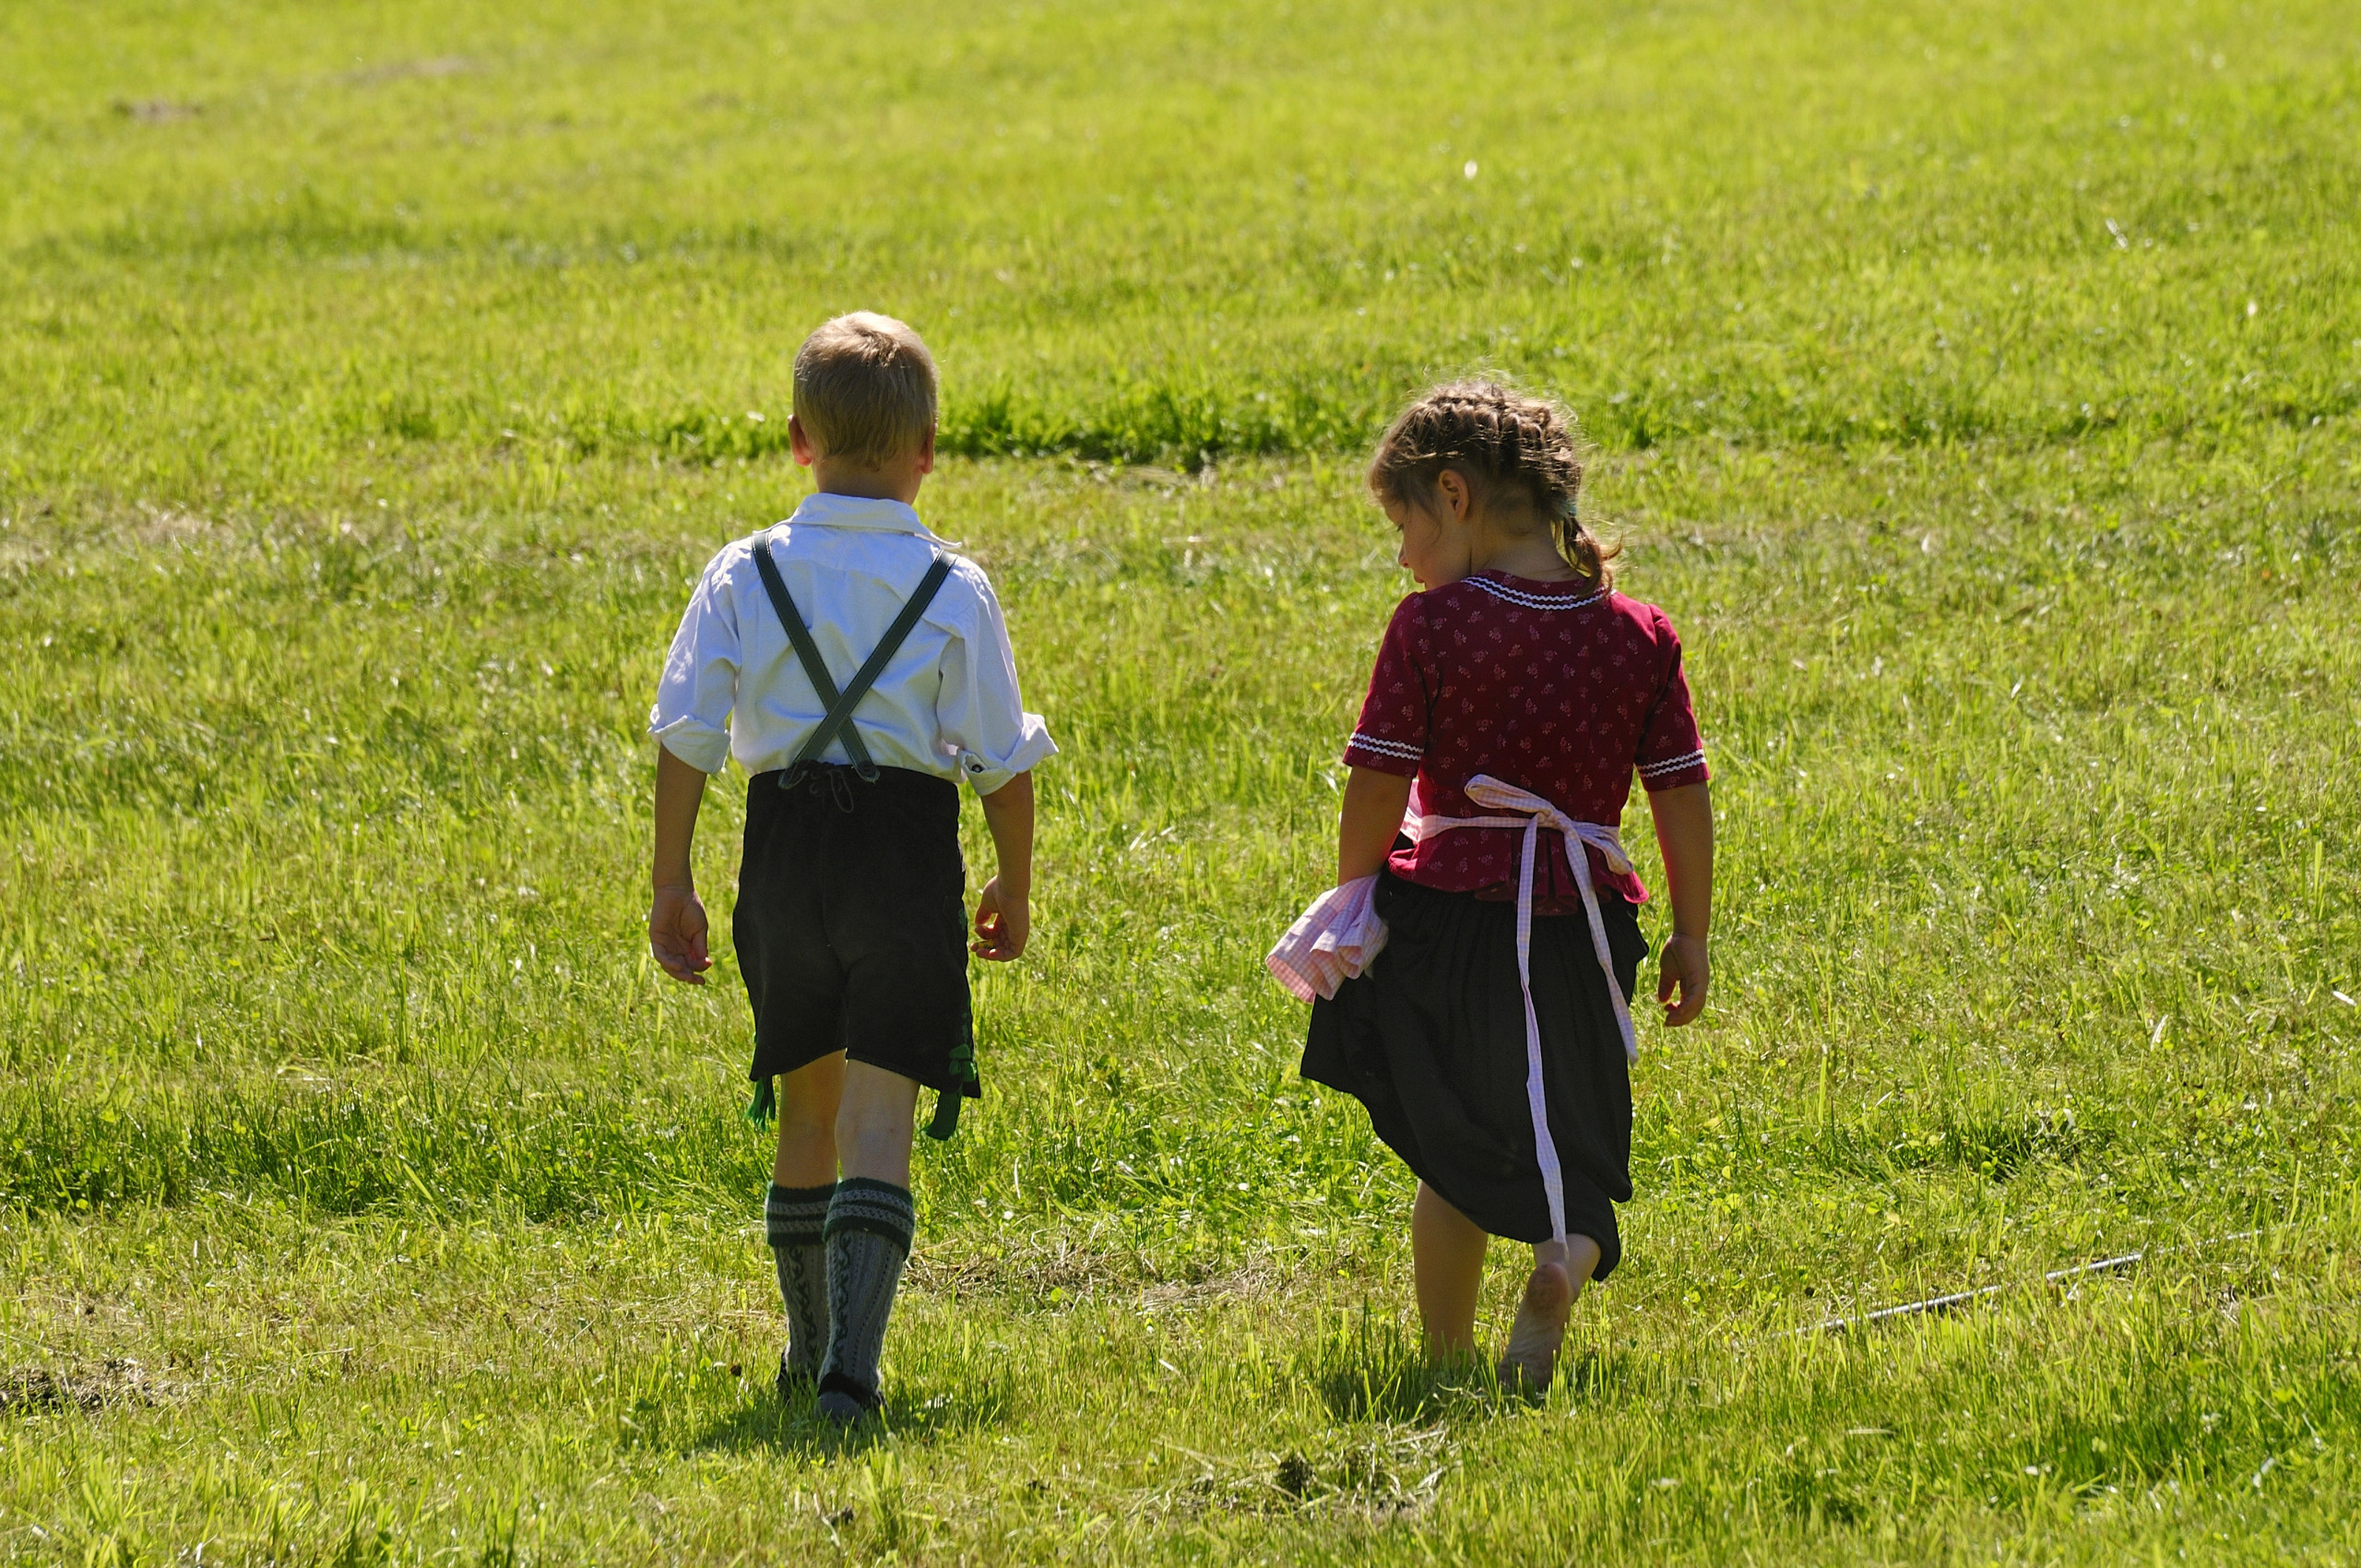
375	378
250	239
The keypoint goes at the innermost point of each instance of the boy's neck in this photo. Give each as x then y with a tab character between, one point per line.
867	484
895	480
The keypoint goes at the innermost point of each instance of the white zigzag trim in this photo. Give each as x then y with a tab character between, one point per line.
1671	765
1386	748
1532	600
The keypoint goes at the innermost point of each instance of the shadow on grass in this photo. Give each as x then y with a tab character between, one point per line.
1592	1377
767	1423
1398	1382
1382	1373
1414	1390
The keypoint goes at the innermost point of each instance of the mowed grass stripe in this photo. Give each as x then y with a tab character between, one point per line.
1807	225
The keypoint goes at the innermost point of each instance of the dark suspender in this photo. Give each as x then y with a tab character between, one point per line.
838	720
841	704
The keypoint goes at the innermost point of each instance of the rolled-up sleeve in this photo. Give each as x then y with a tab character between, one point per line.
699	686
981	718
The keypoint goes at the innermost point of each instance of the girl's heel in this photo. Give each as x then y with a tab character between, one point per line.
1531	1359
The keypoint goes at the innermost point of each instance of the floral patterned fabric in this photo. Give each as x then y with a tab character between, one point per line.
1553	687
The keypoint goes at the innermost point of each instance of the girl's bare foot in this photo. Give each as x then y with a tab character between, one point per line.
1531	1359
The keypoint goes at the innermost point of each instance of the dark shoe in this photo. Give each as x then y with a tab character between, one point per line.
790	1384
844	1401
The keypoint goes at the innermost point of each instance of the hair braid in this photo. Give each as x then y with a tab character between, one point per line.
1495	439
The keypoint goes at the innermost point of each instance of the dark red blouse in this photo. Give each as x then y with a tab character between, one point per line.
1553	687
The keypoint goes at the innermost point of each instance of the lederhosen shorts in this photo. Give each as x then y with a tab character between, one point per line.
852	925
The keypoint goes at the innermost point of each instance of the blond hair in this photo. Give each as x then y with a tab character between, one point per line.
1495	439
864	389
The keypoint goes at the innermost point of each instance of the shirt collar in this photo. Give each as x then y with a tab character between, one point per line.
827	510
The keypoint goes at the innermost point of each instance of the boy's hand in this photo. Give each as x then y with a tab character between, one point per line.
676	935
1004	924
1688	967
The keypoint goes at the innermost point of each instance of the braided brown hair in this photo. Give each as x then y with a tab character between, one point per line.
1495	439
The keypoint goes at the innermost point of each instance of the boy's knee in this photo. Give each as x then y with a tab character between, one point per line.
805	1115
871	1125
806	1125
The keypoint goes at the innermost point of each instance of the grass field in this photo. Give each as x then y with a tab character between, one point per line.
1978	389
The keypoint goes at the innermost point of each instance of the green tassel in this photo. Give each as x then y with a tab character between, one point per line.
762	1108
966	1084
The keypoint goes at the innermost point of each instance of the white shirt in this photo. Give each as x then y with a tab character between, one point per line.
946	703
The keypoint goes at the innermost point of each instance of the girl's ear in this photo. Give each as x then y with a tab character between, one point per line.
1452	497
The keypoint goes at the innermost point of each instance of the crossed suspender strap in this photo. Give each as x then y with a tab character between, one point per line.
815	669
838	720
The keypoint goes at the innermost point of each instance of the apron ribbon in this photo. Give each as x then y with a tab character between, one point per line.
1537	814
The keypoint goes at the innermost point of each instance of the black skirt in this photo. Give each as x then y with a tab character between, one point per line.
1432	1039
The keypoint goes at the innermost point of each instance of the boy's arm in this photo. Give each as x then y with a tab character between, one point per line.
1003	913
1371	821
1685	832
675	918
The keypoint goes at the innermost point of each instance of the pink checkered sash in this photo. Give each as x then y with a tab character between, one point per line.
1330	942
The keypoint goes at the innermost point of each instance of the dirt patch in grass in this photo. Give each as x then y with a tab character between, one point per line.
434	69
1062	1273
118	1379
156	111
1393	1472
1009	1267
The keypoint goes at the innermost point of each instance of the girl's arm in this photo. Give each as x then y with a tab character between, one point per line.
1685	832
1374	803
676	928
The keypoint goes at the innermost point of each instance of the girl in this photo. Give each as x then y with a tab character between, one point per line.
1512	702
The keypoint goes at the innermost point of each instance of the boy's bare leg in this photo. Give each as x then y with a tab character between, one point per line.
874	1122
1447	1257
1560	1272
795	1213
808	1102
870	1224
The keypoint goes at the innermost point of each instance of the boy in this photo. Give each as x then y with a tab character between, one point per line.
849	928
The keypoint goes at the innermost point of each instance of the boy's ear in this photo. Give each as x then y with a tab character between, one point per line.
926	451
799	442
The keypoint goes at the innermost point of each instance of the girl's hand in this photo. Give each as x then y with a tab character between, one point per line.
1687	969
676	935
1003	923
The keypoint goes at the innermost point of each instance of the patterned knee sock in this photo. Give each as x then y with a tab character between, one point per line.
868	1239
796	1219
